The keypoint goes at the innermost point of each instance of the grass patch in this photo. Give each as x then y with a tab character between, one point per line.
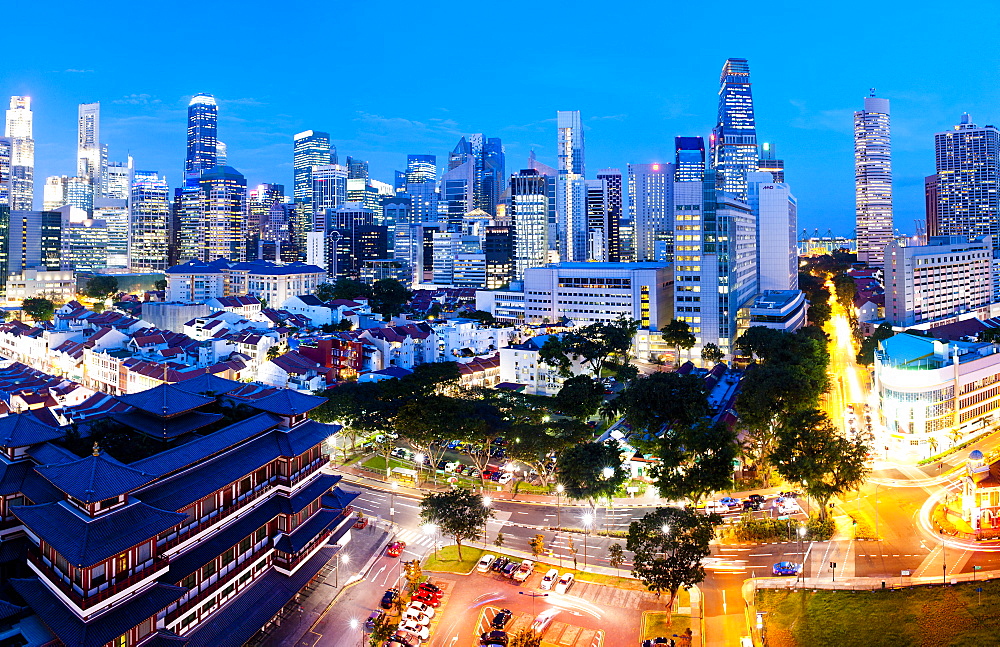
939	615
655	624
447	559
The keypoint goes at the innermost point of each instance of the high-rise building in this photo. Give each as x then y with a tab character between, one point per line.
650	204
734	138
84	241
202	138
329	192
457	195
598	220
60	190
768	163
185	232
931	224
275	242
29	240
311	148
968	169
149	214
224	191
117	180
612	178
221	154
356	169
498	248
260	200
114	214
571	191
689	159
774	209
873	179
18	128
485	158
5	152
91	157
528	212
421	168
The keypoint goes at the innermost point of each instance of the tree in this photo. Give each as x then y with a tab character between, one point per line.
383	627
429	425
591	471
580	397
695	460
616	556
101	287
595	345
485	318
537	544
537	443
413	574
866	354
526	637
820	312
668	547
810	450
325	292
388	296
846	288
659	399
498	542
38	309
712	354
345	288
160	285
458	513
678	334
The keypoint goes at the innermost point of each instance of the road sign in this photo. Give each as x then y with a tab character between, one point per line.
904	574
976	568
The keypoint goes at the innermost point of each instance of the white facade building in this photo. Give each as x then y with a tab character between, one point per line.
943	279
873	179
774	207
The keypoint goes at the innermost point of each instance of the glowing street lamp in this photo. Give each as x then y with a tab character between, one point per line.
587	520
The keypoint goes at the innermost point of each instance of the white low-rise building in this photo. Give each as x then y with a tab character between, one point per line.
520	364
779	309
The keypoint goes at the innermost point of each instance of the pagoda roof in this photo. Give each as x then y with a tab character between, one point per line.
165	400
286	402
296	540
166	428
85	541
94	478
208	383
23	429
100	629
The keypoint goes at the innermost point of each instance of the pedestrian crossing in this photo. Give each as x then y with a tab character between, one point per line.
416	537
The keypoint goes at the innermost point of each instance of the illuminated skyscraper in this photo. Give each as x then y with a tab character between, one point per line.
5	151
224	191
421	187
149	212
311	148
91	157
202	140
613	182
734	138
529	209
689	159
18	127
571	191
873	179
117	180
768	163
260	201
650	203
421	168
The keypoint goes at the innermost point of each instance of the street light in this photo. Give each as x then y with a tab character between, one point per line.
419	458
587	520
392	502
559	490
607	473
346	559
533	595
431	529
487	502
802	535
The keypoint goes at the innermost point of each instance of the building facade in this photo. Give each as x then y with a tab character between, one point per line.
775	210
873	179
18	128
734	138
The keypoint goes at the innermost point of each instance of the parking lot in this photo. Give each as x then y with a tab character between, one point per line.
558	633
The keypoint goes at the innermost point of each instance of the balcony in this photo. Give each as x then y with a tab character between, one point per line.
187	532
200	596
85	600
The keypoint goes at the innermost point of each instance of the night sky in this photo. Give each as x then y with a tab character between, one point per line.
386	79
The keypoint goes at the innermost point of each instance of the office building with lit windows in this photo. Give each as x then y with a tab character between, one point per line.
528	212
311	148
91	155
202	138
873	179
224	197
18	128
5	152
775	212
571	188
612	178
650	197
149	211
734	138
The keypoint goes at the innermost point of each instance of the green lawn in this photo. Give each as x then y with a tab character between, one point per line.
447	559
654	624
918	616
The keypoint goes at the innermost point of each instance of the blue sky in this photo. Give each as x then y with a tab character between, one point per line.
391	78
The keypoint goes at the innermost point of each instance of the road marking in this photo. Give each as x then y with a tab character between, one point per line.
761	555
724	610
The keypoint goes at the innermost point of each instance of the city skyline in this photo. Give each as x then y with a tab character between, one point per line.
808	123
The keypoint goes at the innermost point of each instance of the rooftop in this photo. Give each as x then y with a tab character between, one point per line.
94	478
165	400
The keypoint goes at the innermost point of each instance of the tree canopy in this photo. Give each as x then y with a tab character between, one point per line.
678	334
866	354
458	513
595	345
388	297
580	397
712	354
695	460
101	287
658	399
38	309
591	470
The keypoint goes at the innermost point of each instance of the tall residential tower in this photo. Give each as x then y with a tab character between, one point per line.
571	190
873	179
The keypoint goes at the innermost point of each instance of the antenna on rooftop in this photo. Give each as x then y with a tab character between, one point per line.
872	92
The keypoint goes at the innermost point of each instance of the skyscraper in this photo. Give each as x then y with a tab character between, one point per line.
117	180
771	164
529	209
613	181
968	170
775	212
5	152
202	139
650	204
571	196
329	191
485	158
421	168
421	187
311	148
149	212
18	127
260	201
458	186
931	225
224	191
734	138
356	169
689	159
90	159
873	179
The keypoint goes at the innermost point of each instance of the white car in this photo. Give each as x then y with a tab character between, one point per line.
485	563
788	506
505	478
420	607
564	583
524	570
409	625
716	507
417	616
549	579
543	620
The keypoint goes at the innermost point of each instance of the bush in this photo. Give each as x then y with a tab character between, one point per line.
766	530
818	530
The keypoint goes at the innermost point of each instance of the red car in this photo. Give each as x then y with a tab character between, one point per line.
427	598
395	548
430	590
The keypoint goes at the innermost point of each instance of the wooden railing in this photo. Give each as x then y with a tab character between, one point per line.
84	600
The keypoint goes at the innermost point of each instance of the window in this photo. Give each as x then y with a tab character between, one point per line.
207	607
261	534
245	545
210	505
190	581
121	641
107	503
208	570
144	552
245	486
98	575
145	627
121	563
228	556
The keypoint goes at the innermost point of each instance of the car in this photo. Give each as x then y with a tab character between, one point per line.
420	618
787	506
422	607
452	466
524	570
373	618
716	507
750	505
730	502
544	618
495	476
511	568
433	588
388	598
485	563
549	579
488	474
401	639
791	494
505	478
410	626
472	473
786	568
494	637
501	619
442	464
499	564
756	498
564	583
395	548
454	444
427	598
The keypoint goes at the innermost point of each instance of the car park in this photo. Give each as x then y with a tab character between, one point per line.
548	579
786	568
411	627
396	548
427	598
511	568
756	498
524	570
433	588
564	583
501	619
373	618
422	607
420	618
494	637
505	478
485	562
543	620
388	598
499	564
787	506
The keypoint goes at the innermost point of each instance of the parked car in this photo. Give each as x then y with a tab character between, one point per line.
730	502
716	507
494	637
495	476
388	598
786	568
548	579
791	494
488	474
787	506
403	639
423	608
564	583
524	570
499	564
411	626
427	598
416	616
544	618
501	619
756	498
396	548
435	595
750	505
373	618
485	562
511	568
442	464
505	478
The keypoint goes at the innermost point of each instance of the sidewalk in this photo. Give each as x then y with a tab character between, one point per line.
365	546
